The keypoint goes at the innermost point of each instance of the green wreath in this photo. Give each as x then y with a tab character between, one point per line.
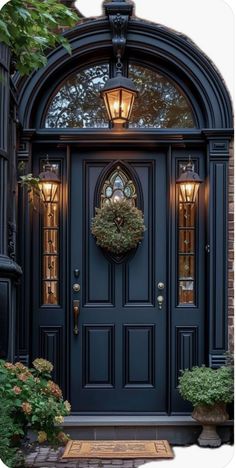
118	226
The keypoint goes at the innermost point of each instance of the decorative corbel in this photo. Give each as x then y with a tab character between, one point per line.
119	12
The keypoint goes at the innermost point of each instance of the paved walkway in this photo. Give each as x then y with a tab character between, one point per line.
192	456
43	457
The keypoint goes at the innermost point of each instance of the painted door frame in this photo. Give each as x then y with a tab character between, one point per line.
171	144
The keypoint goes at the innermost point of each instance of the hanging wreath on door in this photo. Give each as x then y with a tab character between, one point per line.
118	226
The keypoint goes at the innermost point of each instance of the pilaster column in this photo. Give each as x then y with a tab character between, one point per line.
216	289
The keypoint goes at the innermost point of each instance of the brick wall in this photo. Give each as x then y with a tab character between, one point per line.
231	250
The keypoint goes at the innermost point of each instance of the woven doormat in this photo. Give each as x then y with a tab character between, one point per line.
118	449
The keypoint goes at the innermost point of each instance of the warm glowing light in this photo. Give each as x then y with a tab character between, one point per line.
189	183
48	184
119	94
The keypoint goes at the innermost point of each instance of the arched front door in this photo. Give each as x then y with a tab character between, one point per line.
118	357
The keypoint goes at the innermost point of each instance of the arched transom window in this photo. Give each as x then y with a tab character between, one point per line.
77	102
161	104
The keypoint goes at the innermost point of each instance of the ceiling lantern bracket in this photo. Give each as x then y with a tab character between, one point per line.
119	12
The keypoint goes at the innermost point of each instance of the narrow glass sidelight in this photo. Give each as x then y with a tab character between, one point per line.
186	248
50	230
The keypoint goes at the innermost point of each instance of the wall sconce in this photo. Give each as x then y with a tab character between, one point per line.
189	183
119	94
48	183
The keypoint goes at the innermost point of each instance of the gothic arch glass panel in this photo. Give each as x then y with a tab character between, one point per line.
77	102
161	103
118	186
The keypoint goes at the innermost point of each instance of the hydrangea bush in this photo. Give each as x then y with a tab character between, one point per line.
35	401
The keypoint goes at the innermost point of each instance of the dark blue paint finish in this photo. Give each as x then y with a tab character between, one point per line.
118	360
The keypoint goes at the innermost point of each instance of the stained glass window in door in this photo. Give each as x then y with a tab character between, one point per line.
118	186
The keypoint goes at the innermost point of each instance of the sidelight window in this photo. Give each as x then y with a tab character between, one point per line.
50	227
186	249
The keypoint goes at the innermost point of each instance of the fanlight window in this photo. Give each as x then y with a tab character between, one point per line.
77	103
161	104
118	187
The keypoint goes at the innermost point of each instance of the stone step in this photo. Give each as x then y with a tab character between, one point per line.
178	430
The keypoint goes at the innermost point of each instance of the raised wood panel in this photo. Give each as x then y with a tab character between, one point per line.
51	348
139	352
218	256
138	279
98	356
186	349
99	284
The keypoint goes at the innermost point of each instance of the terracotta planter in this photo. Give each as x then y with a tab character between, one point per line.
209	417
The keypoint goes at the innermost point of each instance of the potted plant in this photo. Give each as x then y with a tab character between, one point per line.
208	390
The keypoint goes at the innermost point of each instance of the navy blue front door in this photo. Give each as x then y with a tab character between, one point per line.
118	357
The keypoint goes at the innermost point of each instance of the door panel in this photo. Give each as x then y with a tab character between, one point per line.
118	359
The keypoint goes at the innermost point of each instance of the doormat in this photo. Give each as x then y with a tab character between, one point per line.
118	449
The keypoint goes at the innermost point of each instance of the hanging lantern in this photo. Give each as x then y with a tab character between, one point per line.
119	94
48	183
189	183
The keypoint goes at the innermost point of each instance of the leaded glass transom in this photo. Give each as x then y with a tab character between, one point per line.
77	103
118	187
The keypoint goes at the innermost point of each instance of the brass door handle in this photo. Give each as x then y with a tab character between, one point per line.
76	305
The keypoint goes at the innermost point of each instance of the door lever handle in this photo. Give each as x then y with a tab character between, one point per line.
76	306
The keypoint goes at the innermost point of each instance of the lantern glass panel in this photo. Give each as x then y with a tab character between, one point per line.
113	101
188	191
126	101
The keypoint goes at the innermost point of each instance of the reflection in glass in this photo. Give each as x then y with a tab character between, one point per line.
160	104
50	250
77	103
186	251
118	187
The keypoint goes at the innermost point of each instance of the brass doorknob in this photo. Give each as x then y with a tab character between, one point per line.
76	287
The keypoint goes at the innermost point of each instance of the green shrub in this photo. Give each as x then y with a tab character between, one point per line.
34	400
206	386
9	431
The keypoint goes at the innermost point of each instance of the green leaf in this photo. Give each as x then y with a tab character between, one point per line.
23	13
41	40
66	45
49	17
4	28
30	31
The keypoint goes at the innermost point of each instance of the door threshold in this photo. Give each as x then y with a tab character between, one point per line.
113	420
